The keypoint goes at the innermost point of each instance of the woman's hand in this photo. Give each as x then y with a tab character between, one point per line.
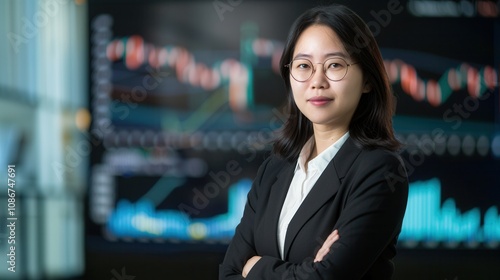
325	248
323	251
250	263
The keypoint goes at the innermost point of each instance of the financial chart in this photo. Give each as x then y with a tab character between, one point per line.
184	100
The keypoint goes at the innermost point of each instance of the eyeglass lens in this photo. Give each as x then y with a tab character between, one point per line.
335	69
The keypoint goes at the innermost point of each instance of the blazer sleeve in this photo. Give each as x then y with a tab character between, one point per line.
242	246
370	221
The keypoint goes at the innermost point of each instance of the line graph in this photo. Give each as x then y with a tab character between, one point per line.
214	92
228	72
135	52
462	77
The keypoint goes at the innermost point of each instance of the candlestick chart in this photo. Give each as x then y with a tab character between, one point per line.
175	101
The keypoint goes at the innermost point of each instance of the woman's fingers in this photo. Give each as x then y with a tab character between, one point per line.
325	248
249	265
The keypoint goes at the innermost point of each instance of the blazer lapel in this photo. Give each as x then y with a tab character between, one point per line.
323	190
276	199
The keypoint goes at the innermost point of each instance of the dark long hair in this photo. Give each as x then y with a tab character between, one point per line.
371	124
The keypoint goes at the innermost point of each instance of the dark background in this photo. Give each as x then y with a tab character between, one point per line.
431	44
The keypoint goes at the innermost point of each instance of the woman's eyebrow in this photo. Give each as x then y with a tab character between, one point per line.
304	55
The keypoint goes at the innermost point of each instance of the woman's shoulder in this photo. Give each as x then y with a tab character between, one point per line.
381	163
275	162
354	151
378	156
272	165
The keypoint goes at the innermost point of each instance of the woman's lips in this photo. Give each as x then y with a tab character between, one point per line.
319	100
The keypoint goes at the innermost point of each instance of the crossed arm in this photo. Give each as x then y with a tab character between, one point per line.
370	221
325	248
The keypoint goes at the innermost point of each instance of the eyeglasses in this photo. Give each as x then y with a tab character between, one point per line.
335	69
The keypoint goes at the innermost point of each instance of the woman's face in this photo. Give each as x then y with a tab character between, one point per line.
326	103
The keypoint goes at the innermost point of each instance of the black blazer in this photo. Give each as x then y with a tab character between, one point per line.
362	193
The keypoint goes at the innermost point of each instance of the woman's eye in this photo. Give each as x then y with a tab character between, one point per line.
303	66
335	65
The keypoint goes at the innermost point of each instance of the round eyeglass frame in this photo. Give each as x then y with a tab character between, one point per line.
324	69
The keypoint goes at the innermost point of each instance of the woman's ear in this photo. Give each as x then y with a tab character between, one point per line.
367	87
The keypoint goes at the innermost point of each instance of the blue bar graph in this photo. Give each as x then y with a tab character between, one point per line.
430	224
141	220
427	221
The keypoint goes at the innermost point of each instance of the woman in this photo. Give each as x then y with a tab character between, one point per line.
329	202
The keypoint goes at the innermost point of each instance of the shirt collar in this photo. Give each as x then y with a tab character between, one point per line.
323	159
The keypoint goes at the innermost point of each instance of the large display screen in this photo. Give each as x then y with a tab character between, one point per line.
185	96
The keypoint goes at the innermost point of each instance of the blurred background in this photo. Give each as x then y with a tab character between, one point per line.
130	131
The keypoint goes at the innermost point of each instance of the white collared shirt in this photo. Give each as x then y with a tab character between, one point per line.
303	181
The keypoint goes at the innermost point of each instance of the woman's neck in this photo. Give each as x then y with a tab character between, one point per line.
324	138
